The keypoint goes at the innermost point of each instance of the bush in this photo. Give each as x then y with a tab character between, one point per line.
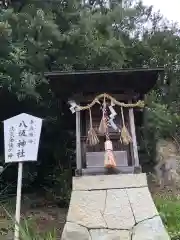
160	122
169	211
28	231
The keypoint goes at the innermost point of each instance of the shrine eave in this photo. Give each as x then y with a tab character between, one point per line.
138	80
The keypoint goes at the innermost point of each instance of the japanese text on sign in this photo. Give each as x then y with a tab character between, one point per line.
25	136
22	138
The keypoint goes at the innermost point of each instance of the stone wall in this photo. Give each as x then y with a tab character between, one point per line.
113	207
167	155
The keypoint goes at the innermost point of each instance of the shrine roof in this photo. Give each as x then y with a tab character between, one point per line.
138	80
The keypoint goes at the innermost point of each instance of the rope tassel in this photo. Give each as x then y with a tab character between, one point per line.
125	136
92	137
109	158
103	127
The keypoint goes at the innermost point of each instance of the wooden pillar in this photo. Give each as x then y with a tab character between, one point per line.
78	144
134	141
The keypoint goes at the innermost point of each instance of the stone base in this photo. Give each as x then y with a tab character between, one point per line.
112	207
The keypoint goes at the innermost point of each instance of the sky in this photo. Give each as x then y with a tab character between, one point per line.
170	9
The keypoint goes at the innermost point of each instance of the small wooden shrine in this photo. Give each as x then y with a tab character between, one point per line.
106	104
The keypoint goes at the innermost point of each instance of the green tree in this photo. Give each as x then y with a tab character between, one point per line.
38	36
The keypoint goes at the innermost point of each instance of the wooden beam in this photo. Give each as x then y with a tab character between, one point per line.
134	140
78	143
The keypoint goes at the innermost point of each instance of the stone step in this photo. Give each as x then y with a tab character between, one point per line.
113	207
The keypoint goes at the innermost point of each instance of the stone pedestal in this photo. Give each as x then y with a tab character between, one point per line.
113	207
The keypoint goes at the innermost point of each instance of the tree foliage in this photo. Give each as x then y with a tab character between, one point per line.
38	36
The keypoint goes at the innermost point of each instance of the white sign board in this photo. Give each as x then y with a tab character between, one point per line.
21	138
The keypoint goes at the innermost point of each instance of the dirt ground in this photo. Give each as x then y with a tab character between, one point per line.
43	214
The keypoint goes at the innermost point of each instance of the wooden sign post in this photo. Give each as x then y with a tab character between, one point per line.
21	141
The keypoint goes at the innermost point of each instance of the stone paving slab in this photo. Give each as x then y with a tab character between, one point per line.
118	213
142	203
86	208
100	182
105	234
151	229
73	231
